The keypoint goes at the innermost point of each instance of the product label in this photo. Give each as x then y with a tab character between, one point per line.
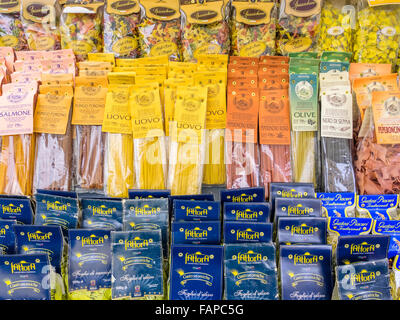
243	195
52	113
16	208
304	102
386	110
306	272
89	262
352	249
297	207
196	272
250	273
137	269
253	12
102	214
41	240
364	281
145	106
247	212
147	214
336	113
196	232
16	112
188	210
349	226
302	230
25	277
202	12
247	232
274	118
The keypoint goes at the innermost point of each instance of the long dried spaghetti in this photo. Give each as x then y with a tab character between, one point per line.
118	167
214	167
303	156
16	164
243	166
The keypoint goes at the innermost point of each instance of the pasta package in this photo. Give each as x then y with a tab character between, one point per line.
337	24
274	124
137	255
304	121
205	28
27	282
53	153
242	149
253	28
376	165
11	28
40	21
377	33
150	159
7	238
17	141
118	166
187	141
364	281
81	28
250	272
87	118
298	26
159	29
121	37
89	265
214	167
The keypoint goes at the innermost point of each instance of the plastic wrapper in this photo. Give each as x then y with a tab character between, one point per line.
89	151
204	34
377	33
40	29
337	19
256	38
275	164
304	152
337	165
214	167
81	28
11	28
159	34
243	165
53	161
88	275
16	164
119	172
185	173
121	35
150	163
376	165
298	26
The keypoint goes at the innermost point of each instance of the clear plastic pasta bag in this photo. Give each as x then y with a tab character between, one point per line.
89	157
16	164
243	165
118	165
150	163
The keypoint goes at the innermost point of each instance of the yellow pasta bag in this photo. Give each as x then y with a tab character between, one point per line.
150	159
187	141
117	123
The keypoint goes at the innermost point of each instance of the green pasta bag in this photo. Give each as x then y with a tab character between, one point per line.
298	26
205	28
40	19
121	19
11	29
81	27
159	29
253	27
